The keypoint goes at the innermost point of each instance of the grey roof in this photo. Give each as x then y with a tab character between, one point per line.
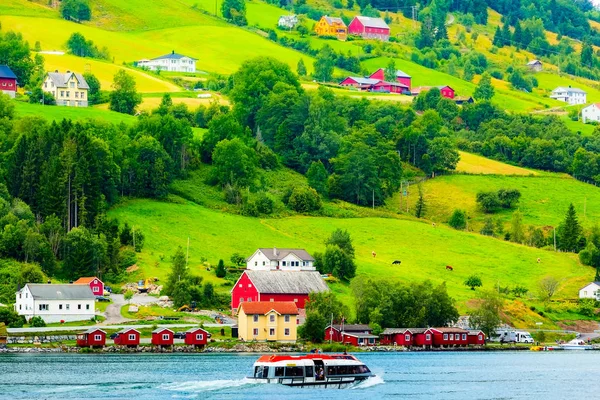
173	56
474	333
534	62
364	81
6	72
282	253
353	327
360	335
568	89
296	282
157	330
401	74
125	330
60	79
595	282
331	20
92	330
60	292
372	22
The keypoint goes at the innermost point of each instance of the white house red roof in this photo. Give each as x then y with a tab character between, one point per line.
372	22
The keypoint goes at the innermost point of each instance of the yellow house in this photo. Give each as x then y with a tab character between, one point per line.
331	26
268	321
69	89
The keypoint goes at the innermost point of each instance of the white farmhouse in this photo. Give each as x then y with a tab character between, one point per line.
569	95
287	21
280	259
590	291
591	113
170	62
55	303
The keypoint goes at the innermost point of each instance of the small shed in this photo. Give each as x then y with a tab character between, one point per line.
128	337
397	336
476	338
196	337
93	337
359	339
162	337
535	65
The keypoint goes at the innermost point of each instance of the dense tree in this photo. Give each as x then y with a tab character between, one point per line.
338	263
517	233
473	281
488	227
485	315
221	271
569	231
317	177
458	219
304	200
234	163
84	253
484	90
79	46
124	98
341	238
390	71
94	90
488	201
235	11
15	52
420	205
301	68
324	63
178	272
77	10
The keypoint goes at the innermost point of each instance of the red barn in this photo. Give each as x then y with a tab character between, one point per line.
369	28
397	337
390	87
335	333
277	285
196	337
162	337
476	338
8	81
450	337
94	283
93	337
128	337
359	83
445	91
401	77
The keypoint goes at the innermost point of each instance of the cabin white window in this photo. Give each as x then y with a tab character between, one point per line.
165	336
255	263
407	338
272	332
286	331
20	306
451	336
68	306
20	295
131	336
241	299
272	300
464	336
295	300
87	306
240	285
371	341
249	285
97	337
480	337
585	292
272	318
60	306
255	317
255	332
96	289
445	336
79	306
283	263
26	295
44	307
95	281
200	336
286	318
249	298
264	264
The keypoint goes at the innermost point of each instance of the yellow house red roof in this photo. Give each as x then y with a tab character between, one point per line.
264	307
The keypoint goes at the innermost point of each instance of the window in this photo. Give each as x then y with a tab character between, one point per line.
279	371
45	84
20	306
264	263
272	318
200	336
445	336
60	306
87	306
241	299
19	295
407	338
72	84
261	372
271	331
240	285
82	95
131	336
272	300
97	337
68	93
255	263
96	289
165	336
79	306
62	93
295	300
255	332
286	318
286	331
255	318
249	285
464	336
43	307
68	306
3	83
451	336
76	95
249	298
283	263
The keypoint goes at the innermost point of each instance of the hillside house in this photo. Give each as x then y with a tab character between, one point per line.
590	291
331	26
8	81
569	95
287	21
197	337
55	303
591	113
446	91
374	85
269	259
353	334
162	337
69	89
401	77
128	337
268	321
460	100
369	28
93	337
535	66
172	62
293	286
94	283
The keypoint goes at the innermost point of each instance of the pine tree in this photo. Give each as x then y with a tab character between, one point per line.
301	68
221	271
587	55
517	36
420	206
498	38
506	34
569	231
178	271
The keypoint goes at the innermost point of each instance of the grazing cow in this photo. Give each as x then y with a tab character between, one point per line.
374	254
449	268
539	260
396	262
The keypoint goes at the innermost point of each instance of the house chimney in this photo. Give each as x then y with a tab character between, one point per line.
172	51
56	70
275	251
68	72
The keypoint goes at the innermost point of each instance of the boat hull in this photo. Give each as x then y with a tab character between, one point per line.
329	383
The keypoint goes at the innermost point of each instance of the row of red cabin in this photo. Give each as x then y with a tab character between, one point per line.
95	337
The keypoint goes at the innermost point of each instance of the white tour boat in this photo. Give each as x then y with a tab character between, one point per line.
576	344
314	370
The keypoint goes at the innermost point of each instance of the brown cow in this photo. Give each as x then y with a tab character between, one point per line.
449	268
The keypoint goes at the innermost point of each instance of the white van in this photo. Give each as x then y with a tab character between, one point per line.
510	336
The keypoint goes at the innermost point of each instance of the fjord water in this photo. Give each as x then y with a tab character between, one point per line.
418	375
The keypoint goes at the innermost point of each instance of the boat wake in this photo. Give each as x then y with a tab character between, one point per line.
367	383
206	386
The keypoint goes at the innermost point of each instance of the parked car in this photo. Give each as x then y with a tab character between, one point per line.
102	299
179	335
114	335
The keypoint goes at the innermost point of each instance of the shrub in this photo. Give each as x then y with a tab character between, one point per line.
249	208
37	322
458	220
488	201
264	204
221	271
237	259
473	281
303	199
587	307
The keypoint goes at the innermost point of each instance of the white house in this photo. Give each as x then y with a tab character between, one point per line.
69	89
280	259
55	303
591	113
288	21
569	95
590	291
170	62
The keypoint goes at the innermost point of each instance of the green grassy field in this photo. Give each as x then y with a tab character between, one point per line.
73	113
474	164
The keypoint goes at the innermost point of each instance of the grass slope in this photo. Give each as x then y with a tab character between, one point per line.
473	164
216	235
73	113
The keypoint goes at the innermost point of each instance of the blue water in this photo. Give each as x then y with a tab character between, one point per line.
443	375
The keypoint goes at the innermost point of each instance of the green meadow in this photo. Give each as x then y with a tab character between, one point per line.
59	113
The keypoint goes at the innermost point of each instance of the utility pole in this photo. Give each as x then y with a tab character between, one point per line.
401	195
554	239
407	186
414	16
187	254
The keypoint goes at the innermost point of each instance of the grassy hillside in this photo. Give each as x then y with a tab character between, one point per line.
214	235
59	113
473	164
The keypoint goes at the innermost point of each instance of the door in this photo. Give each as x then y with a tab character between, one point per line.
319	370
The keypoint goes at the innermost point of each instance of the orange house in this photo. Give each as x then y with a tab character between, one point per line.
331	26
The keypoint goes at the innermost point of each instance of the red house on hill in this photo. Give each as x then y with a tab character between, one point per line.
93	337
446	91
369	28
293	286
196	337
94	283
162	337
401	77
375	85
128	337
8	81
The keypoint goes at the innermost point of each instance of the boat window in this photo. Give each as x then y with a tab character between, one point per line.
294	371
331	371
309	371
261	372
363	369
342	370
279	371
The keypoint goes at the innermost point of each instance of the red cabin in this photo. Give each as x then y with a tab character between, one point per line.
94	283
8	81
355	334
128	337
422	337
445	91
162	337
93	337
401	77
359	339
389	87
450	337
281	286
397	337
196	337
369	28
476	338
